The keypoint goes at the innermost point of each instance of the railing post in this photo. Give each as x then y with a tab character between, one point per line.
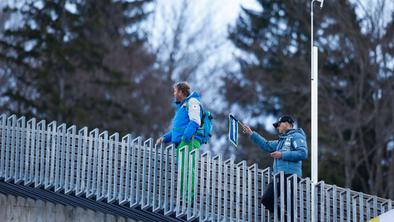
182	174
252	193
145	194
60	158
20	149
227	187
127	143
81	161
170	159
192	184
69	180
10	143
30	150
136	144
3	127
40	157
50	155
113	168
102	176
241	194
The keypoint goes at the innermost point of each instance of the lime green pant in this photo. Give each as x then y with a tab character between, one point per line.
193	144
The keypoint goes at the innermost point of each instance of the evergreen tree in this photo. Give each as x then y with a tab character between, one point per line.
84	62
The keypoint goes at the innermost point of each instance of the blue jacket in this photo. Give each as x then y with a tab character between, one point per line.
186	121
293	147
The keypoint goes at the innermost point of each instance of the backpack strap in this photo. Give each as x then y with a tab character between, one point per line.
201	110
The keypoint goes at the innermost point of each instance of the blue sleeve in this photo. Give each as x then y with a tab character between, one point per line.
264	144
167	137
191	128
300	149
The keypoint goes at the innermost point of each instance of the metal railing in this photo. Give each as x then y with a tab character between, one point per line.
133	173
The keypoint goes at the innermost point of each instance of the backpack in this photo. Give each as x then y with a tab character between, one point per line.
206	127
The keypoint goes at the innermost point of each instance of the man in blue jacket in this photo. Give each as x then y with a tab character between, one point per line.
186	121
288	152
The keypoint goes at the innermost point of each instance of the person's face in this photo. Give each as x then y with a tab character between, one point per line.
178	95
282	127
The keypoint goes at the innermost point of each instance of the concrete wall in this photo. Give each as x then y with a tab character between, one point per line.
20	209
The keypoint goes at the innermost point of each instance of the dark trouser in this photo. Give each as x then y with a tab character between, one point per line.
268	197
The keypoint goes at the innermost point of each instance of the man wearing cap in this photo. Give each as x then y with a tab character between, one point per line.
288	152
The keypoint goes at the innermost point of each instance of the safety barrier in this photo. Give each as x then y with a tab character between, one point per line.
131	174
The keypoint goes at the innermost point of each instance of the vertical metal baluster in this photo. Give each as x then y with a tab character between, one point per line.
322	201
43	147
3	126
238	193
133	149
251	188
308	200
105	175
275	181
156	181
288	197
282	197
328	204
213	185
95	164
138	181
113	168
101	166
167	186
203	213
128	173
21	147
14	150
375	206
232	184
121	197
173	171
208	193
334	204
220	187
361	206
92	164
226	189
64	151
192	188
50	155
81	161
179	199
348	207
354	207
265	180
71	158
10	141
301	200
149	202
290	193
116	148
38	152
295	196
59	168
241	168
30	151
147	144
341	206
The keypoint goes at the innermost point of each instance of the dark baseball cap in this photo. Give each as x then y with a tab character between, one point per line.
284	119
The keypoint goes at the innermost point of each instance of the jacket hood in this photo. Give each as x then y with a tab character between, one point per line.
192	95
